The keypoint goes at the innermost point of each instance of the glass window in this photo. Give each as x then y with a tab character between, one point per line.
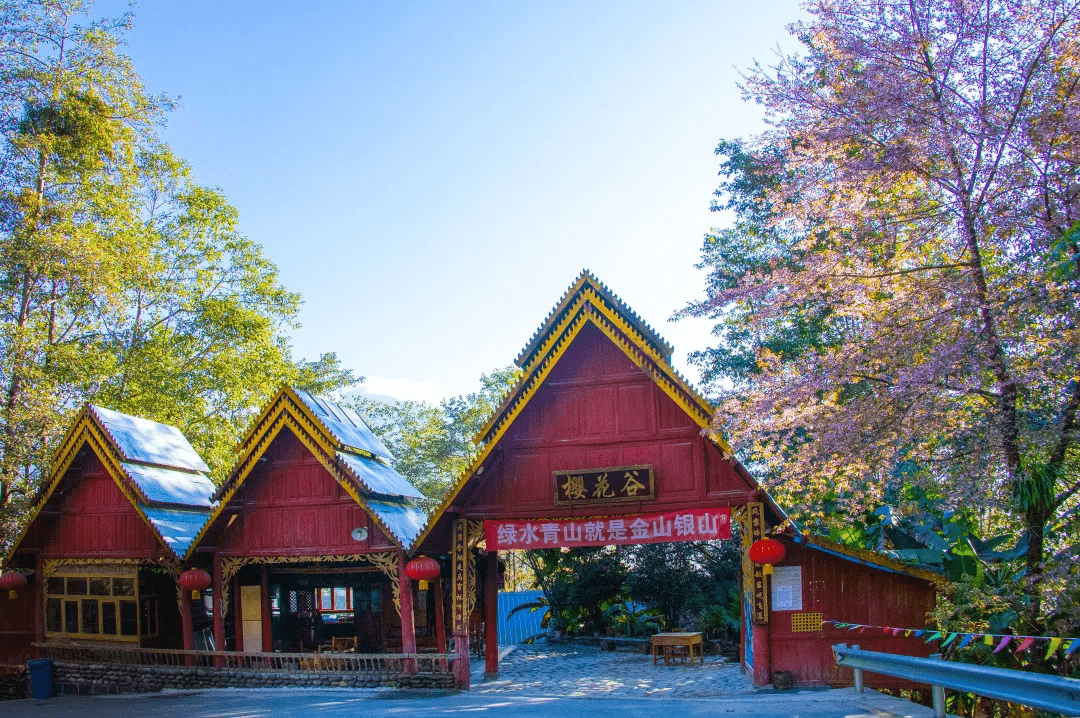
108	618
123	587
90	616
53	624
129	618
99	586
71	616
325	600
76	587
341	599
55	586
376	600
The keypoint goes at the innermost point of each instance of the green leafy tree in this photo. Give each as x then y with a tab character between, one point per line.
121	281
432	444
913	302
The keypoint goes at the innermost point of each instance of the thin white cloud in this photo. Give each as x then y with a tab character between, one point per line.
383	387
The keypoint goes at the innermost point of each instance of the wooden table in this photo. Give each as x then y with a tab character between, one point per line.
666	644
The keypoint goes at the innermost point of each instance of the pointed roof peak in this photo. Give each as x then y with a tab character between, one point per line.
588	284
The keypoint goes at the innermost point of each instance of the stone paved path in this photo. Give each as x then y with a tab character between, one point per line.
585	671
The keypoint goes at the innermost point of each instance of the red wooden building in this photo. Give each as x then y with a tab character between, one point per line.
599	401
601	441
310	531
123	500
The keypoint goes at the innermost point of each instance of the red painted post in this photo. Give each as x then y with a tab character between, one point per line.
491	617
186	625
462	669
219	614
408	627
440	614
264	593
762	656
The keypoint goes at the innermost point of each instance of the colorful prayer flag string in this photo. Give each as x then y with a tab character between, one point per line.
1066	644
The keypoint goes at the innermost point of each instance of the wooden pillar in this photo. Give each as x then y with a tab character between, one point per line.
185	622
491	617
264	593
39	598
461	597
408	624
219	613
762	656
238	614
440	614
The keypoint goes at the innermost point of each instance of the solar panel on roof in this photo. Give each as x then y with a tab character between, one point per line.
405	519
377	477
347	427
148	441
169	486
178	528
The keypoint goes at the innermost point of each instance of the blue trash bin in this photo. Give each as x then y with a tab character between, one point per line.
41	677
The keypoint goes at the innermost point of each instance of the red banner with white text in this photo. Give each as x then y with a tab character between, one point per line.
689	525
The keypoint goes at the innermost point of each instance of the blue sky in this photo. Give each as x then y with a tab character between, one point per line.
431	176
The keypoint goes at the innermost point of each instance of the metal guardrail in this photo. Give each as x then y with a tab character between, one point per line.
1036	690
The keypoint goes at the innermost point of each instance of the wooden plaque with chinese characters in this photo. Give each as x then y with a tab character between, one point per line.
597	486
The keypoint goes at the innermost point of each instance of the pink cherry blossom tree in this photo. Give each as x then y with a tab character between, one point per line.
916	211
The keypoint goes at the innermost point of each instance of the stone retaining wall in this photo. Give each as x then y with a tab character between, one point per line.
98	678
12	682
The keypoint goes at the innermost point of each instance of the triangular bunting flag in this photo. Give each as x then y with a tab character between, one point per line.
1073	646
907	633
967	639
988	639
1024	644
937	635
1004	642
919	633
1054	644
950	639
896	631
886	629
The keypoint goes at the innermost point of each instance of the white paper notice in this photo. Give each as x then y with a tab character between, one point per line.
787	588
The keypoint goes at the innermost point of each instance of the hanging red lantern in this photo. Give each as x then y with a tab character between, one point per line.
194	580
767	551
12	581
423	569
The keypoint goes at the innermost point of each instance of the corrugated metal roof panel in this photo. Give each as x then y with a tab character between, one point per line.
169	486
148	441
345	424
404	519
379	478
178	527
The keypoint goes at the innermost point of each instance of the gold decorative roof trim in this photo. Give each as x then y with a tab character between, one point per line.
587	277
85	430
285	410
555	346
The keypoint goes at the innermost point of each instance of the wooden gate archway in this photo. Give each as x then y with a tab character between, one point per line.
597	390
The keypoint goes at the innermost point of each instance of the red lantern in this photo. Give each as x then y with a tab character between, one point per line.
11	582
422	569
194	580
767	551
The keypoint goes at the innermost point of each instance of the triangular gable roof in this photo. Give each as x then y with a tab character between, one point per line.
152	463
588	301
345	446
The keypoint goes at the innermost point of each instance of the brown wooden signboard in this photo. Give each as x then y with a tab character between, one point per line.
598	486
